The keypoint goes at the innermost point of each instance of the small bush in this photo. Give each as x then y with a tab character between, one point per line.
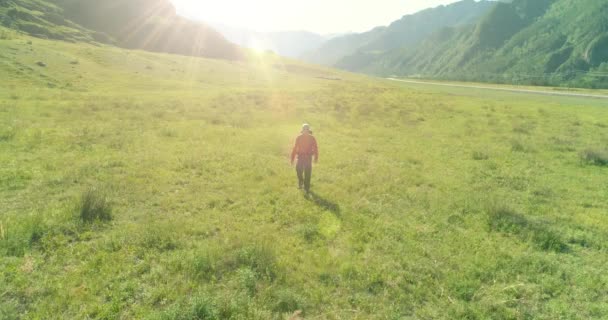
595	157
94	206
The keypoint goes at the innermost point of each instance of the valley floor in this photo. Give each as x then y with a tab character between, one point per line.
429	202
550	91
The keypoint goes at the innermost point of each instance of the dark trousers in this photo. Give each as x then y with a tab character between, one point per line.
304	170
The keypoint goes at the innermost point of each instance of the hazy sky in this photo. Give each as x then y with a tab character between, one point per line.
322	16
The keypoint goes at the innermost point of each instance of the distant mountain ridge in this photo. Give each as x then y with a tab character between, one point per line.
151	25
285	43
356	51
544	42
537	42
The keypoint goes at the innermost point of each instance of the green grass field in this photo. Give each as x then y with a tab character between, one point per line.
428	203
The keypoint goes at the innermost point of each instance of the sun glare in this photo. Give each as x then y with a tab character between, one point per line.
230	12
319	16
258	46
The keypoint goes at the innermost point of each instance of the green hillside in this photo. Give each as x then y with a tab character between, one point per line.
336	49
45	20
550	42
356	51
136	24
138	185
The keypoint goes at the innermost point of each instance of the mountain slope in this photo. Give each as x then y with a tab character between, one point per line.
44	20
334	50
150	25
354	52
537	42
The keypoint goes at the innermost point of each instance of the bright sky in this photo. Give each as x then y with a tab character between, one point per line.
321	16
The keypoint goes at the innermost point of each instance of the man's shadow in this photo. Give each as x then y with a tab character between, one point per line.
323	203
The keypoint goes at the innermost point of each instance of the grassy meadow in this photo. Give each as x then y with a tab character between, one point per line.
149	186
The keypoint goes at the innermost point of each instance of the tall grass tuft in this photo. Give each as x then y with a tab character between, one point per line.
517	146
94	206
258	258
506	220
199	307
7	134
595	157
17	238
287	301
479	155
158	238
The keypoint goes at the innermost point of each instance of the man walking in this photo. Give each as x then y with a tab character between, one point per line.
306	149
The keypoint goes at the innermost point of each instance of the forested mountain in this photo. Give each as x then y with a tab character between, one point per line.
527	41
355	51
540	42
150	25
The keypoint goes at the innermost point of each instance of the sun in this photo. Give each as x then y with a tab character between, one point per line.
259	46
